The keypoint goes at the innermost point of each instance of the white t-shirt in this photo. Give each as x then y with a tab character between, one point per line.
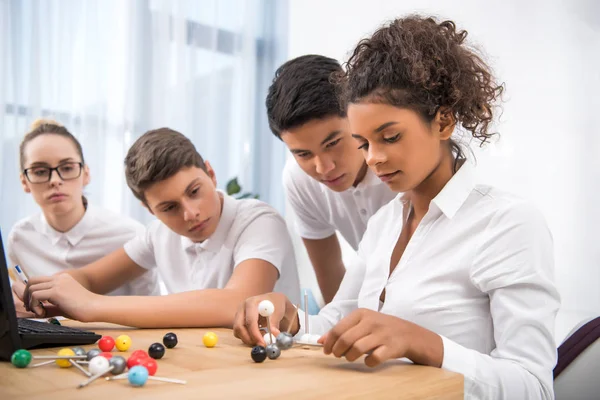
478	271
43	251
320	212
247	229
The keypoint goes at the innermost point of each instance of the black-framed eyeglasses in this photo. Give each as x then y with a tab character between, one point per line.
66	172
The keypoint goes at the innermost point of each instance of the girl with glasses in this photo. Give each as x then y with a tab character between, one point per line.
68	232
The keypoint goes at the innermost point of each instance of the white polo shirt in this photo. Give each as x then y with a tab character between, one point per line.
247	229
320	212
43	251
478	271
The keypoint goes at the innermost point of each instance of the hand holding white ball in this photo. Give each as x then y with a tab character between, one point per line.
266	308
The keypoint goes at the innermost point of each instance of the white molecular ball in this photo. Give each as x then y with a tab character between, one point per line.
313	339
266	308
97	365
305	338
267	341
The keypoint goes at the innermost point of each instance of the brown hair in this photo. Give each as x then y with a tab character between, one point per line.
158	155
42	127
420	64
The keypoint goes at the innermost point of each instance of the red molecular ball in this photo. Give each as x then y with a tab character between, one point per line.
139	353
151	365
136	360
106	343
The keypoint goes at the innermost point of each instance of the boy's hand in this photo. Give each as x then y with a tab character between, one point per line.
64	296
382	337
246	322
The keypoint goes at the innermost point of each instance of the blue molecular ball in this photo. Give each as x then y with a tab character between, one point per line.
137	375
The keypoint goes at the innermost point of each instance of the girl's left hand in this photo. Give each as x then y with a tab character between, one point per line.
382	337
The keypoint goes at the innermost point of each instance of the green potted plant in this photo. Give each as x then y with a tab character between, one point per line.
234	189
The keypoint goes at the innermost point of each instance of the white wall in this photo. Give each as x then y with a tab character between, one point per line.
548	53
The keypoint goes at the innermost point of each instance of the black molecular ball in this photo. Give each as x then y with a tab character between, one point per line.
170	340
156	351
258	354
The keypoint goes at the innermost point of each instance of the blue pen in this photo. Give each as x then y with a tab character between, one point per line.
21	274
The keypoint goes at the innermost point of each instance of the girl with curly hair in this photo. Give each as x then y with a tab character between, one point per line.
455	273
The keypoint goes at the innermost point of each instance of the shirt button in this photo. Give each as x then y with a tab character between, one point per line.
363	211
357	192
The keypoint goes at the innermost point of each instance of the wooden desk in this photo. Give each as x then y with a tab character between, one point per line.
227	372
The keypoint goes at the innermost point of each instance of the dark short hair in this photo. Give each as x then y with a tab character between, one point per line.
303	91
158	155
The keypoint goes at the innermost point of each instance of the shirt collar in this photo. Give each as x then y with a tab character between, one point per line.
73	236
456	191
216	240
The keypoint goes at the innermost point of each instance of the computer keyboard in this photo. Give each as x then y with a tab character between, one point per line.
28	327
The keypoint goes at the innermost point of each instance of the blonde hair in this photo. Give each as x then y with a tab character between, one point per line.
44	121
42	126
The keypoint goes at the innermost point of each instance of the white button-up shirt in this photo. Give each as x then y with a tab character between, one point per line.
319	211
478	271
247	229
42	251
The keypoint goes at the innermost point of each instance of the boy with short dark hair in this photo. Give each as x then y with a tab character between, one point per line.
328	186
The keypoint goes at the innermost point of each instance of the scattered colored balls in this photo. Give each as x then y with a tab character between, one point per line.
92	353
106	343
273	351
150	365
123	343
79	351
170	340
137	376
20	358
98	365
135	360
258	354
139	353
118	363
156	351
210	339
64	363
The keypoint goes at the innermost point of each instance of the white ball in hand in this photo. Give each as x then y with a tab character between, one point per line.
266	308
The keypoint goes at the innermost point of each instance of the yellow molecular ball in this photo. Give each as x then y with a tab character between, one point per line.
123	343
64	363
210	339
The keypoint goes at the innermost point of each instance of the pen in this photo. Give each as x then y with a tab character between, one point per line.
21	274
23	277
